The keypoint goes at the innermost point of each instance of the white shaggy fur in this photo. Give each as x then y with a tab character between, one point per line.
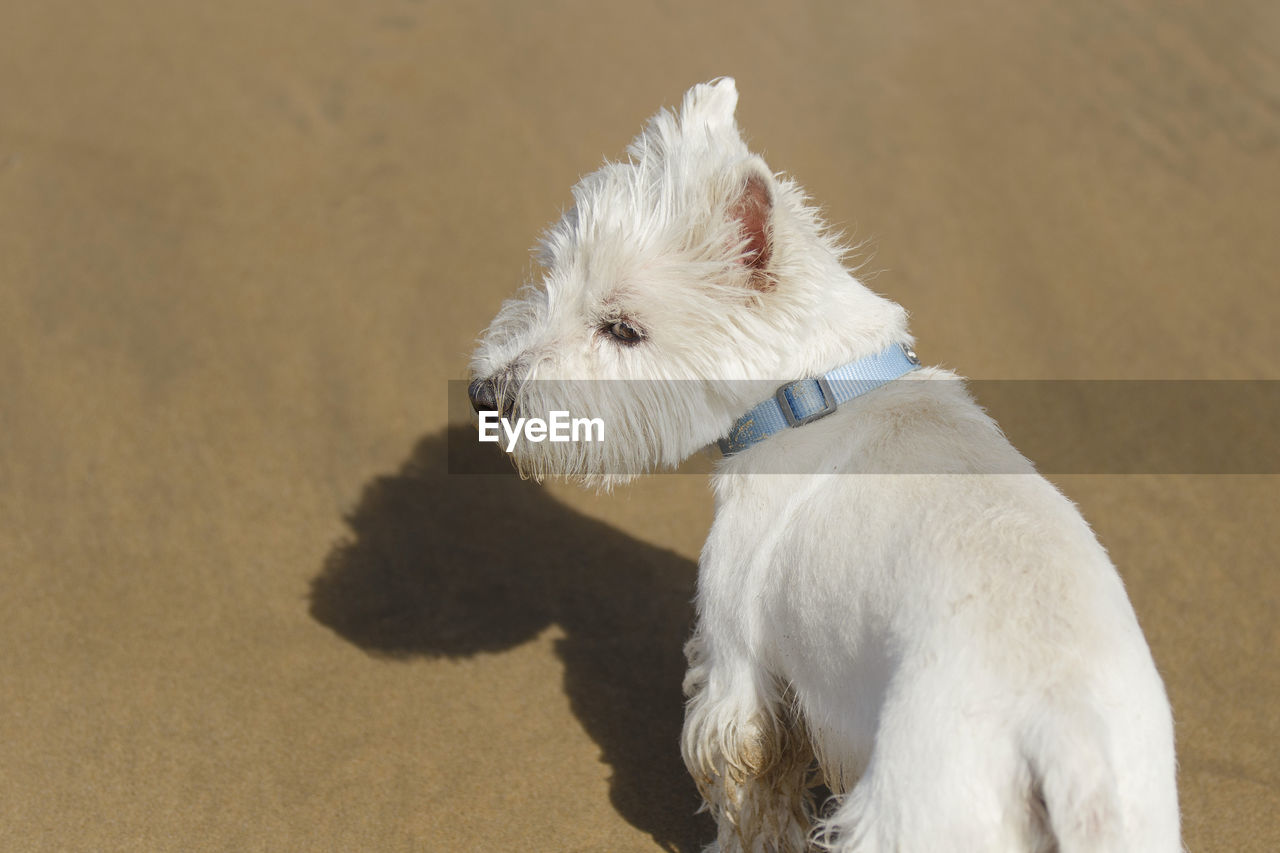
891	594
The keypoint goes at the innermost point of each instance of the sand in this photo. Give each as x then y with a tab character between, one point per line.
245	245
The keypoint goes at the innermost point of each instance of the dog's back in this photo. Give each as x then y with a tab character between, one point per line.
966	663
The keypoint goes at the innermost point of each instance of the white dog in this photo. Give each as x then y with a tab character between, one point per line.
891	600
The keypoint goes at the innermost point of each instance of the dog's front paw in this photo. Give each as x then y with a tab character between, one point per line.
749	761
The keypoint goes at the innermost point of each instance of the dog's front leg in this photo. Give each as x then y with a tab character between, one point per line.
746	753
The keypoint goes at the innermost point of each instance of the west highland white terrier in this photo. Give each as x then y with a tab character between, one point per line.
891	601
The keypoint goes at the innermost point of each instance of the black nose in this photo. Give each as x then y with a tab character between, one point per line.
483	394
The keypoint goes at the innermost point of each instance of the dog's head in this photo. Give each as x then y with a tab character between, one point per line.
686	266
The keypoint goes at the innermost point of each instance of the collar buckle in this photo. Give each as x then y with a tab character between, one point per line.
806	400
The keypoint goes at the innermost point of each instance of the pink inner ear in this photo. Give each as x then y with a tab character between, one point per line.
752	211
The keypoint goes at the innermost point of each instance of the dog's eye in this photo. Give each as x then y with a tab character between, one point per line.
624	332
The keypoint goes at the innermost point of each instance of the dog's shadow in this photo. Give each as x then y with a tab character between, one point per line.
444	565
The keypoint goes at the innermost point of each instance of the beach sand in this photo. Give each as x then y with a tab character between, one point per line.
245	245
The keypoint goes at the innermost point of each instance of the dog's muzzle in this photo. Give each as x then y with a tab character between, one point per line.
494	394
484	395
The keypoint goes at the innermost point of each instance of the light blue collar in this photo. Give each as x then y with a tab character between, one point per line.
805	400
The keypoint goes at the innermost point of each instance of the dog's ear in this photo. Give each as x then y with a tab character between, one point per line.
753	212
704	128
711	105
